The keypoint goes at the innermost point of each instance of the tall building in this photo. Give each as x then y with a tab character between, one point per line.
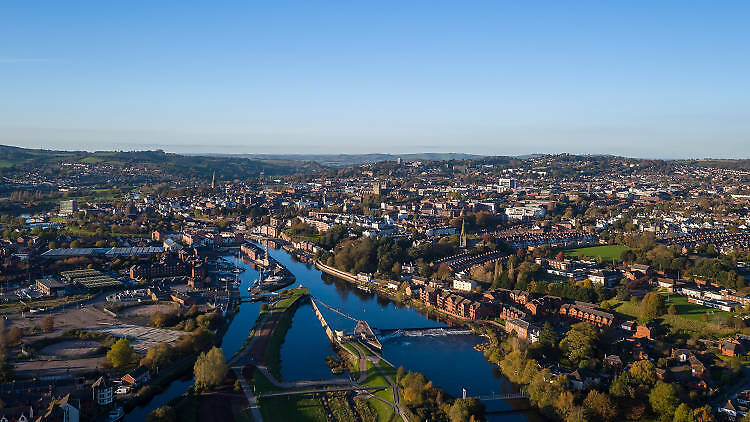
68	207
506	184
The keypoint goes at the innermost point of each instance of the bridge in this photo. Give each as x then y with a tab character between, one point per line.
329	389
504	396
361	330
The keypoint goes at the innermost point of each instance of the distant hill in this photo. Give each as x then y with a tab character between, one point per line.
346	160
19	159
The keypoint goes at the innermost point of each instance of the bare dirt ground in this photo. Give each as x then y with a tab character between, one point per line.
141	315
46	368
70	348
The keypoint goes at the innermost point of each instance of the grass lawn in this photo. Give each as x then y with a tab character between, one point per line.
292	408
607	252
692	311
625	308
384	411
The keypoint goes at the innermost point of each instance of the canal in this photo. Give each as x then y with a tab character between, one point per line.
448	360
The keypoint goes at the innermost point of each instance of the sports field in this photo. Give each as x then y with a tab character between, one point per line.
607	252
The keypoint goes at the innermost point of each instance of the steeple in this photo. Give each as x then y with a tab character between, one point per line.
213	180
462	243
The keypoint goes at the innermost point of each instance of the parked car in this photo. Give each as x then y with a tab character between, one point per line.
122	390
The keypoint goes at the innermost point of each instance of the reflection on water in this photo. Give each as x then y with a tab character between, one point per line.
449	360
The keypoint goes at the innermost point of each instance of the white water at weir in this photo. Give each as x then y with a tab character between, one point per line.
429	332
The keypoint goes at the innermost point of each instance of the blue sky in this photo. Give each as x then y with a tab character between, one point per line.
644	79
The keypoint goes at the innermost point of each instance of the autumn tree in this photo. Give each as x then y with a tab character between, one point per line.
579	343
210	368
644	372
683	413
601	405
663	400
652	306
121	353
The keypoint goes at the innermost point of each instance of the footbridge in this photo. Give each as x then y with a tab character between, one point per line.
362	330
328	389
504	396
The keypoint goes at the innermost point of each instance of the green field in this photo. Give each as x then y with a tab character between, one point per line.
692	311
292	408
606	252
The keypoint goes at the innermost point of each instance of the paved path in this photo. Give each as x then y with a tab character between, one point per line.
252	401
363	358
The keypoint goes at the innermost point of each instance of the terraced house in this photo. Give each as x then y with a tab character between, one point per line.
582	312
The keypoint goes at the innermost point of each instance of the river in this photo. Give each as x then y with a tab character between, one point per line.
448	360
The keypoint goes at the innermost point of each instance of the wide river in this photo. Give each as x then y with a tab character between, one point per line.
448	360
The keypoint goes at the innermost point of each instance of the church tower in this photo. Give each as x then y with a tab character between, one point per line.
462	243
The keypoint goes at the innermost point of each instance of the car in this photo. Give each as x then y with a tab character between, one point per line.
122	390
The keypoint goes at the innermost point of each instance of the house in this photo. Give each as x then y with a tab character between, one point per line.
697	368
61	411
733	411
464	285
523	329
682	354
102	392
666	283
613	361
646	331
604	277
137	377
730	348
628	325
581	379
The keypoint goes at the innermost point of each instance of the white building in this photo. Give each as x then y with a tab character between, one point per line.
465	285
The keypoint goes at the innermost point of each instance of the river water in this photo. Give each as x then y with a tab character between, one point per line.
448	360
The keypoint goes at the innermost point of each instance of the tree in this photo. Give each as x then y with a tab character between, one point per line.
162	414
462	410
209	320
210	368
703	414
672	310
652	306
663	400
48	323
622	387
157	356
121	353
601	405
161	319
643	372
683	414
579	342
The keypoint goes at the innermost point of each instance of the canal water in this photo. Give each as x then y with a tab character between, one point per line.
448	360
233	339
